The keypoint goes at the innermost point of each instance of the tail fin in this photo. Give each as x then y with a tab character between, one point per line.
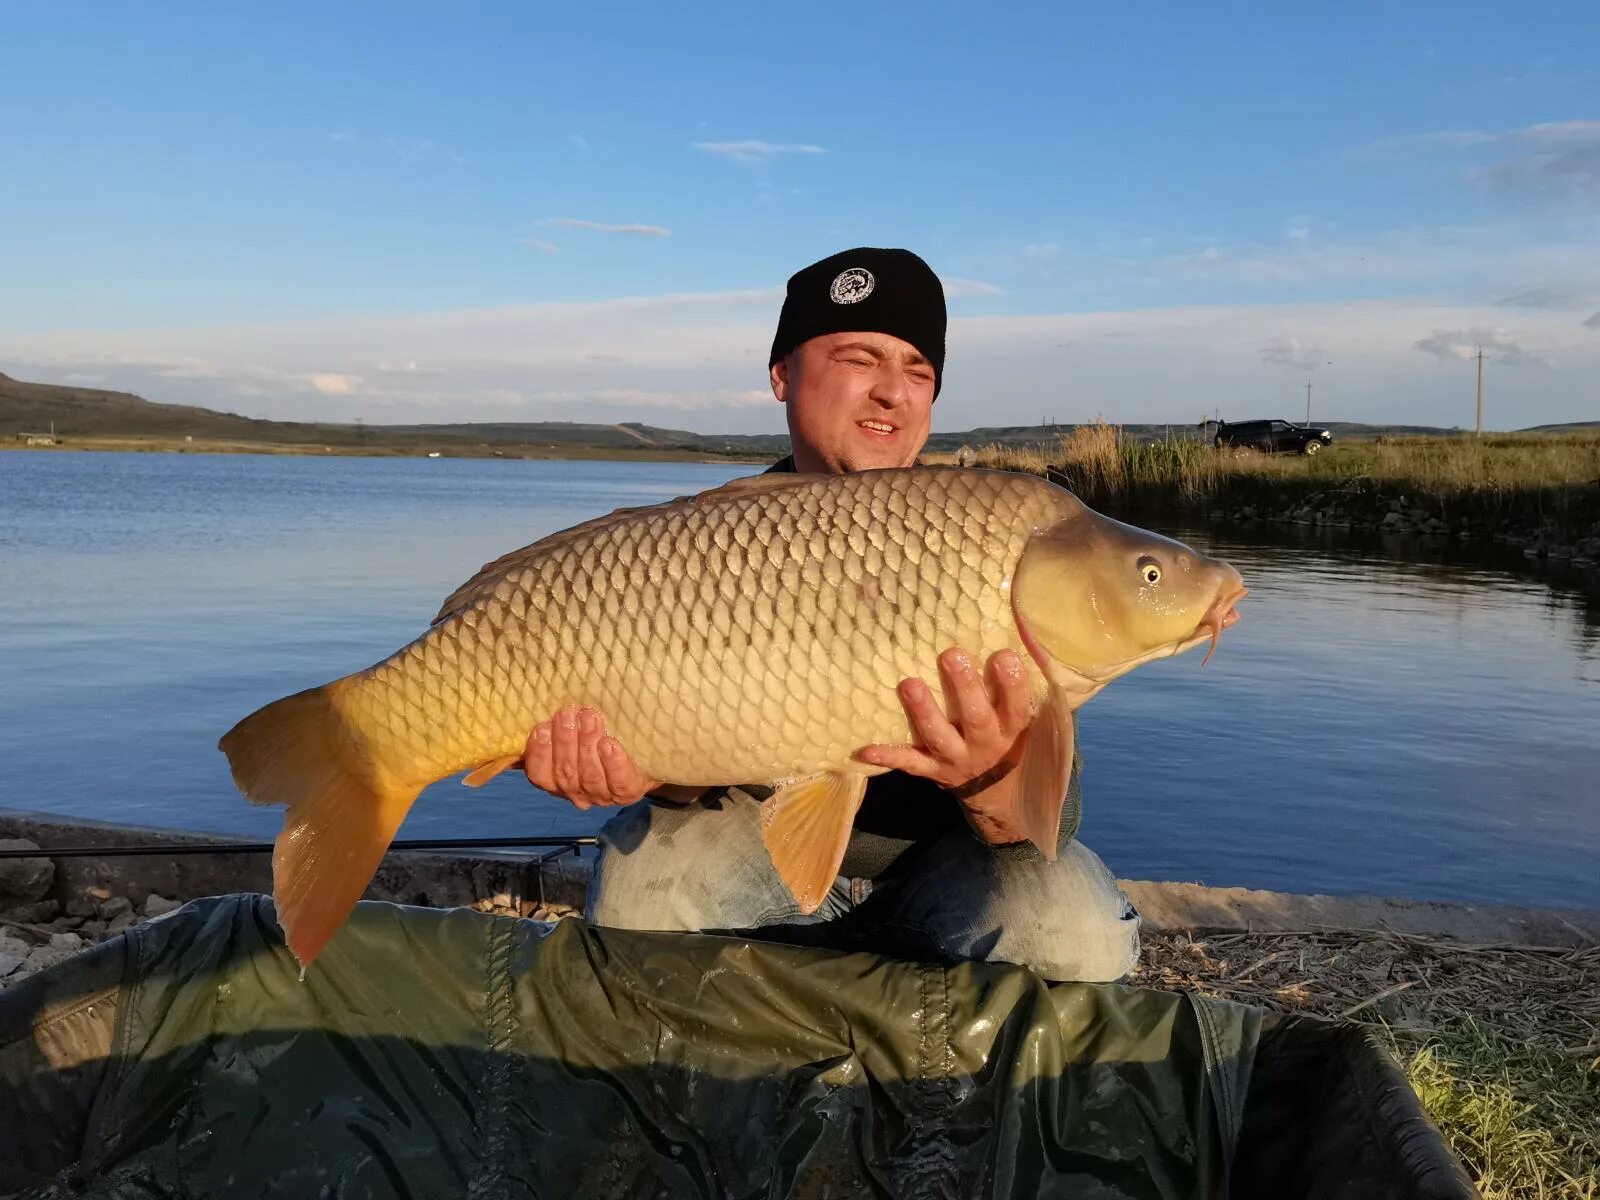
304	752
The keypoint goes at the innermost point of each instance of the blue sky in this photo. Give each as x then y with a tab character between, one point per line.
404	212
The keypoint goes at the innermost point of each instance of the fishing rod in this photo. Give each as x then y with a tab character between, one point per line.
505	843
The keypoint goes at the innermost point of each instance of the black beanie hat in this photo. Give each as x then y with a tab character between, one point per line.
866	290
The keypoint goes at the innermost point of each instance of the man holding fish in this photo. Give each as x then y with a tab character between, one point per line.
937	865
765	641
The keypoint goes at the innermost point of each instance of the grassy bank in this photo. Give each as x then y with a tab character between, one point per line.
1501	1043
1537	490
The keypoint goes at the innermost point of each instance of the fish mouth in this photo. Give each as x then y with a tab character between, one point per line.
1221	615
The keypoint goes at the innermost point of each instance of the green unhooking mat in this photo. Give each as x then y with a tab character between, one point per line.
455	1054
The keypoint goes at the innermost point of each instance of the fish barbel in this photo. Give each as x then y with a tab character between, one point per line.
755	633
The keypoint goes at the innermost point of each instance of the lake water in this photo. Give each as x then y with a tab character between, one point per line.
1426	727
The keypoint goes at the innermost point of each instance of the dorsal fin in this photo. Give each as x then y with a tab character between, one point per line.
489	573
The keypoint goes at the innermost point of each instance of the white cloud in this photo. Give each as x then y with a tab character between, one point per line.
702	357
333	384
602	227
1552	161
1557	296
756	151
1456	259
1463	345
961	289
1549	133
541	247
1573	173
1593	322
1291	352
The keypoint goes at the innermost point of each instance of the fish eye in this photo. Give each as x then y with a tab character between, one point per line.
1150	571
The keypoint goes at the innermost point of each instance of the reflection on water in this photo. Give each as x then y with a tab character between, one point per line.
1407	718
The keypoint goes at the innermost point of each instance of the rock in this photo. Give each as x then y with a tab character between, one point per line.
45	956
38	913
79	907
92	929
62	924
11	945
118	924
1392	520
66	941
113	908
10	962
1560	551
160	906
24	880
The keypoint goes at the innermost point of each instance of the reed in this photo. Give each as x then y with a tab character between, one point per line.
1496	483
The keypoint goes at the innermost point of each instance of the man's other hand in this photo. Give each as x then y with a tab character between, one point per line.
973	744
572	757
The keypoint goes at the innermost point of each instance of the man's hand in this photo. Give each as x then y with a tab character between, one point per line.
571	756
973	745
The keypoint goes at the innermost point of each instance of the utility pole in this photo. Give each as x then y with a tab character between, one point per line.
1480	391
1308	402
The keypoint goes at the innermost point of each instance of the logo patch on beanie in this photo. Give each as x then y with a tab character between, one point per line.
851	286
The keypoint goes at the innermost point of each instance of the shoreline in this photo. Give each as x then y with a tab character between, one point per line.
518	882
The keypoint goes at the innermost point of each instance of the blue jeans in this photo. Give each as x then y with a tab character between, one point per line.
952	898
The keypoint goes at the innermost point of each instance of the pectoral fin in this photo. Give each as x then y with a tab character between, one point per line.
806	827
1046	772
489	770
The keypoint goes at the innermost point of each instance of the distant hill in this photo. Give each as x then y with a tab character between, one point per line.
1568	427
93	412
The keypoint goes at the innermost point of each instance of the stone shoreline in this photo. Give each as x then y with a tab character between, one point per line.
1334	511
53	908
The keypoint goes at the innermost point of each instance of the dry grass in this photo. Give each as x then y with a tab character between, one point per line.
1504	483
1502	1043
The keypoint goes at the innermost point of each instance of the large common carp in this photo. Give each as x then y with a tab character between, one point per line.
753	634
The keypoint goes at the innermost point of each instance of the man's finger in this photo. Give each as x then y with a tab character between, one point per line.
536	757
591	773
1012	703
623	779
929	724
564	751
901	758
969	707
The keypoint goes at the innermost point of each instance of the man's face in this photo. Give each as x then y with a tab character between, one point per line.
855	401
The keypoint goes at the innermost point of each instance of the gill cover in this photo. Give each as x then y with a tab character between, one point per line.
1098	597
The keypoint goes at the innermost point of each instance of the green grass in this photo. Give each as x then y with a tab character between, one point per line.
1523	1116
1500	1042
